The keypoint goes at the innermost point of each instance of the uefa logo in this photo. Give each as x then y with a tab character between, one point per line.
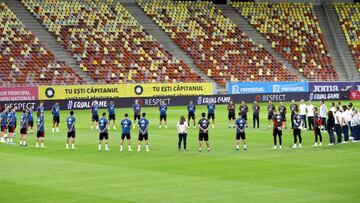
50	92
138	89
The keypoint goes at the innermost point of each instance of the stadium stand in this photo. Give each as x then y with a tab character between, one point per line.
349	17
294	31
218	47
108	43
24	60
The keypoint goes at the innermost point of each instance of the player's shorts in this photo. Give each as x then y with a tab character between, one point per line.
3	128
296	132
136	116
95	118
211	115
203	136
71	134
270	116
163	117
23	131
244	117
240	135
31	123
143	136
191	115
112	117
56	119
127	136
276	131
40	134
11	129
104	135
231	115
284	116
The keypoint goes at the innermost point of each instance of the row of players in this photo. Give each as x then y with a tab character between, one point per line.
8	122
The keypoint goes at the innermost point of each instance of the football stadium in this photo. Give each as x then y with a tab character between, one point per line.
179	101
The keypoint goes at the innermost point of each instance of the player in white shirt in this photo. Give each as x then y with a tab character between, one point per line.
344	124
355	125
333	107
323	113
302	113
182	126
310	114
338	131
349	114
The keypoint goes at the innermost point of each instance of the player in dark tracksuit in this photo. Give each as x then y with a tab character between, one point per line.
271	108
244	110
294	108
317	128
297	123
282	112
256	112
278	121
231	113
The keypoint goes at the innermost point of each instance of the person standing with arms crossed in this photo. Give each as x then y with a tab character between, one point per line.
271	109
256	114
310	114
231	113
294	109
244	110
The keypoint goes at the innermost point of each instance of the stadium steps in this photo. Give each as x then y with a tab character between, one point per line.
331	44
339	34
46	38
153	29
258	38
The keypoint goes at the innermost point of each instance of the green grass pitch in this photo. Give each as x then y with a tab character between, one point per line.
54	174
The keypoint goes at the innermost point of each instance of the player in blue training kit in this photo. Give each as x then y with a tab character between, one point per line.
125	132
70	122
240	125
94	114
11	124
40	109
211	113
143	124
163	115
40	130
24	123
111	111
137	111
31	119
55	110
191	112
103	129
